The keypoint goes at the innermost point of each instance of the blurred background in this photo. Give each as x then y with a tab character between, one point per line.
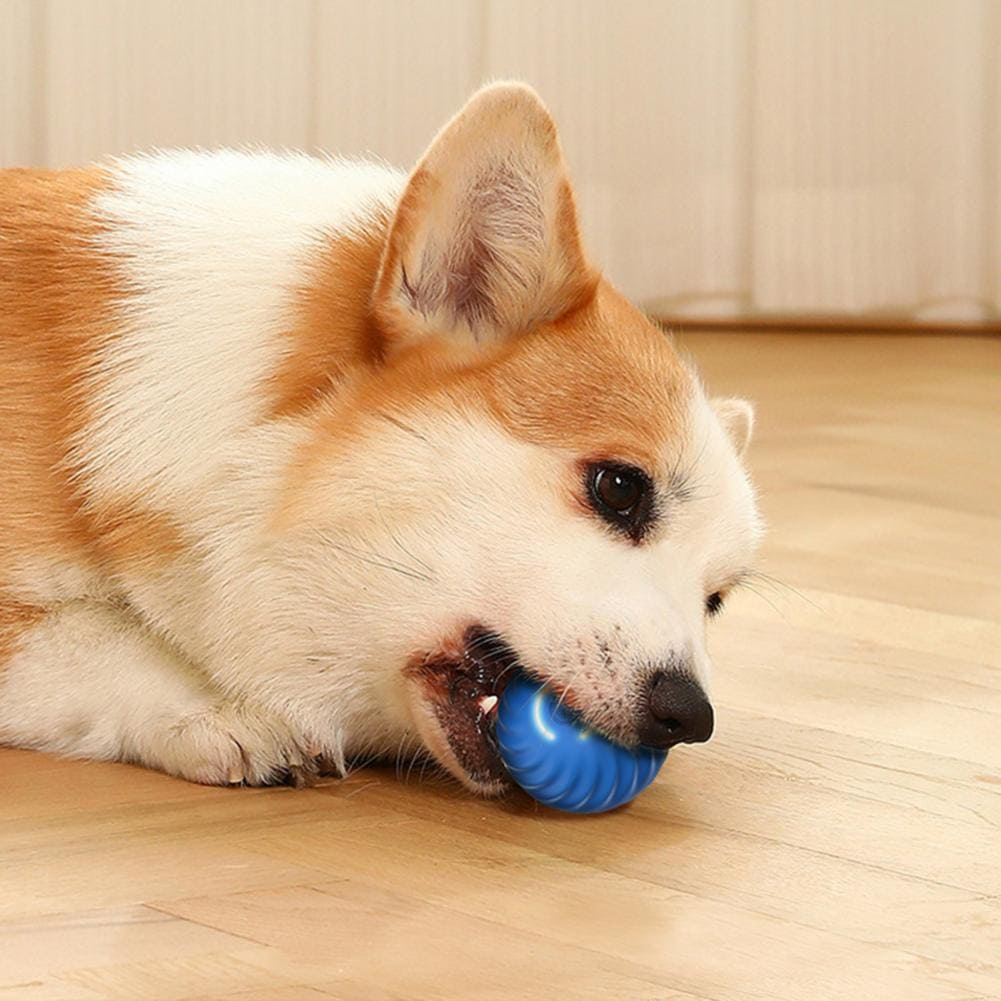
756	161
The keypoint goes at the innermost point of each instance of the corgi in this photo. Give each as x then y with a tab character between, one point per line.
303	457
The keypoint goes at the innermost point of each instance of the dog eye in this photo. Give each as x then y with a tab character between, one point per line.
618	489
623	496
714	604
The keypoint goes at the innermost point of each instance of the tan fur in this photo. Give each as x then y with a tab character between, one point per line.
54	305
333	331
600	382
16	619
58	298
127	533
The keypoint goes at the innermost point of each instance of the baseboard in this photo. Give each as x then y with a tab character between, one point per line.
825	324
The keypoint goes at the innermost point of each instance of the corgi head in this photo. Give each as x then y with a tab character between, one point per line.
527	477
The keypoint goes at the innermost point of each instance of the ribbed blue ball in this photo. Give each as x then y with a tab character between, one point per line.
561	762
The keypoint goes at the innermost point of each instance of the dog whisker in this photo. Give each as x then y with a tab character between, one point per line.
771	604
568	687
382	562
776	584
402	425
399	544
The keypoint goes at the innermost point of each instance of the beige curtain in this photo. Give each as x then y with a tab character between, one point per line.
733	157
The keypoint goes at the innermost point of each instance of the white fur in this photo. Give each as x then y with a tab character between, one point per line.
127	697
214	246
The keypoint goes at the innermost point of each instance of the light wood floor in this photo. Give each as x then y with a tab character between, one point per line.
839	838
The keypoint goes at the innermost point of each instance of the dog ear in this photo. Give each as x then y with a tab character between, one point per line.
737	418
485	241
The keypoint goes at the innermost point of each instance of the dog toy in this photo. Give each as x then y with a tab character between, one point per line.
562	762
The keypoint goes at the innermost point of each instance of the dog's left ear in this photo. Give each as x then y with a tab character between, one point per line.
737	418
485	241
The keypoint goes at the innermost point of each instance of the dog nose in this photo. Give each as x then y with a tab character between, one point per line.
676	711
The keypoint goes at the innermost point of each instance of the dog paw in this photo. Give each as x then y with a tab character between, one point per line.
232	745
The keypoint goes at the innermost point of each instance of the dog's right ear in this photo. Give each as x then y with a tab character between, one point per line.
485	242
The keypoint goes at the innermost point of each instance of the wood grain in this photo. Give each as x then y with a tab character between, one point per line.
838	838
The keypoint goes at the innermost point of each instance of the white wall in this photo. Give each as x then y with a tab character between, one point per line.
733	156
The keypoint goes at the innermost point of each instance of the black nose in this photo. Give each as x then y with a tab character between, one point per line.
675	711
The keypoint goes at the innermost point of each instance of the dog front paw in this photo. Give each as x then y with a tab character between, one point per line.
232	745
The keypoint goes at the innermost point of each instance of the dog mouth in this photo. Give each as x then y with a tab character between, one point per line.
460	686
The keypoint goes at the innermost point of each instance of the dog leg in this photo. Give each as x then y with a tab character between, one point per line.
88	680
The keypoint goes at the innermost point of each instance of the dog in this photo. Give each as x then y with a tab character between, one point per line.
303	457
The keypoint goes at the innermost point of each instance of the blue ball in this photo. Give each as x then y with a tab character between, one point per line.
562	762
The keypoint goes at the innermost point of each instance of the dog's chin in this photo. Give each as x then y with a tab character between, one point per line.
454	694
484	782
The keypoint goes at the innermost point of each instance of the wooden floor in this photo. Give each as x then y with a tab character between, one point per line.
839	838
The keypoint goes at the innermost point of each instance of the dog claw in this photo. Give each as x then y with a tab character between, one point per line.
303	775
